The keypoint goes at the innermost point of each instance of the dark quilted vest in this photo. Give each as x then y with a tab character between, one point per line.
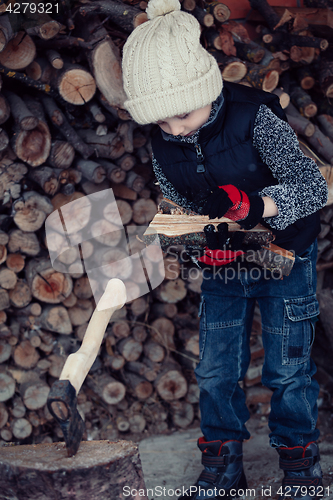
229	157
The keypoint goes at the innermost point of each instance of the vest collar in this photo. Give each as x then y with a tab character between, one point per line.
218	107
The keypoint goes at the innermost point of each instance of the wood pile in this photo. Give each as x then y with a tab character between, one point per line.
64	135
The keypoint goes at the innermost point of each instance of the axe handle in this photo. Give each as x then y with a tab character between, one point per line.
79	363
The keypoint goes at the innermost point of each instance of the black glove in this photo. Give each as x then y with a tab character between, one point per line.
217	203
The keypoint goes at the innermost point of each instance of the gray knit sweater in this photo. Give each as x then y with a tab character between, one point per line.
301	188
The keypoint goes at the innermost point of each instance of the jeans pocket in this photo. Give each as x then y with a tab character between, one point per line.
298	331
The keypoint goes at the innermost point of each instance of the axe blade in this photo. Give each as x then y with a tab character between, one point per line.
62	404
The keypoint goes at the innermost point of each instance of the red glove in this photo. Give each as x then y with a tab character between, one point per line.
229	201
216	252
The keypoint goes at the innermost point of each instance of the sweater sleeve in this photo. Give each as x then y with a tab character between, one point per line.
168	189
301	188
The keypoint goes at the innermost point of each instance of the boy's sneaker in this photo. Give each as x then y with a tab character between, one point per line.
302	472
223	475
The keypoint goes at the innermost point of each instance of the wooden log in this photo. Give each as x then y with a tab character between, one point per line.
47	30
143	155
261	77
113	172
21	428
106	146
142	388
115	362
59	120
135	181
18	409
4	300
5	353
299	123
139	306
21	241
137	423
143	211
6	434
164	309
148	371
182	413
122	423
91	170
61	154
19	52
6	31
40	70
25	355
268	13
282	41
130	349
45	283
121	329
55	59
4	109
7	387
283	97
75	84
322	144
154	351
170	383
10	176
97	468
81	312
220	11
8	278
305	77
303	101
96	111
162	331
33	146
108	388
3	415
55	319
34	393
4	139
251	52
125	16
22	116
326	124
171	291
20	295
47	179
189	5
205	18
126	162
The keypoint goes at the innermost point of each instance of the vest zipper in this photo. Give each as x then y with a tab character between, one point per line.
200	159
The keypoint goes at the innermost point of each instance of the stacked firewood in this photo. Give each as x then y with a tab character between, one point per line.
65	134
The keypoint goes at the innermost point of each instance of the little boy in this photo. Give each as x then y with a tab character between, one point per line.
227	150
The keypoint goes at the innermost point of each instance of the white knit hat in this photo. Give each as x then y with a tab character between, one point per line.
166	71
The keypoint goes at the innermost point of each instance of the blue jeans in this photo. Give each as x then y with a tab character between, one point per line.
288	310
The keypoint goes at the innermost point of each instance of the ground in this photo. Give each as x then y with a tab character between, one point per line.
173	461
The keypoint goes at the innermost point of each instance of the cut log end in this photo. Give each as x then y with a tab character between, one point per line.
98	468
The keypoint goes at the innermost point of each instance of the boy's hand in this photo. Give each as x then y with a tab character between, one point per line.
217	252
229	201
217	203
224	247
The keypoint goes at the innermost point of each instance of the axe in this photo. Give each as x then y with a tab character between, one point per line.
62	399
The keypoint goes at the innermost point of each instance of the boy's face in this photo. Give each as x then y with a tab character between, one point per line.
186	124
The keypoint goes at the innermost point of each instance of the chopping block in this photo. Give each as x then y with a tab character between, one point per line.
100	470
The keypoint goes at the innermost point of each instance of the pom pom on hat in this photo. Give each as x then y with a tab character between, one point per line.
161	7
